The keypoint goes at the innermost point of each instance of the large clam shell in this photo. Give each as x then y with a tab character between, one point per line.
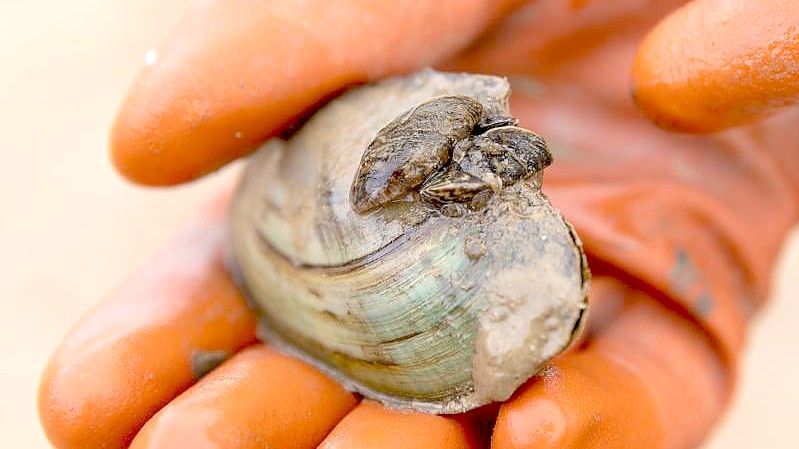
404	304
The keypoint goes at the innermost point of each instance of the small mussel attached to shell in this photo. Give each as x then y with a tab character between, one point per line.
400	242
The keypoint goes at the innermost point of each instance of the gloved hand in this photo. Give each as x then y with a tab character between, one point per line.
681	231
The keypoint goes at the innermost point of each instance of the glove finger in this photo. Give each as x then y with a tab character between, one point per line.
372	426
258	398
151	340
715	63
239	71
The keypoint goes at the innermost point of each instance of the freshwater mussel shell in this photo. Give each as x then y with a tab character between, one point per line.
404	304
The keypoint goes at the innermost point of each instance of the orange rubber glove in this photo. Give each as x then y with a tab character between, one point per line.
681	231
720	63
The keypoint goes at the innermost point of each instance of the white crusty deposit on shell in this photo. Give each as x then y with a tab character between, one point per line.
431	311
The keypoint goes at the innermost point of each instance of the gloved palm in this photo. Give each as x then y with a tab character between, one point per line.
681	231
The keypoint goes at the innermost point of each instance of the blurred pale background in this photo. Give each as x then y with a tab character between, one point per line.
70	230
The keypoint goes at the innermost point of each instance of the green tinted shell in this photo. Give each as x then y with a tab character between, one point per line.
401	302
